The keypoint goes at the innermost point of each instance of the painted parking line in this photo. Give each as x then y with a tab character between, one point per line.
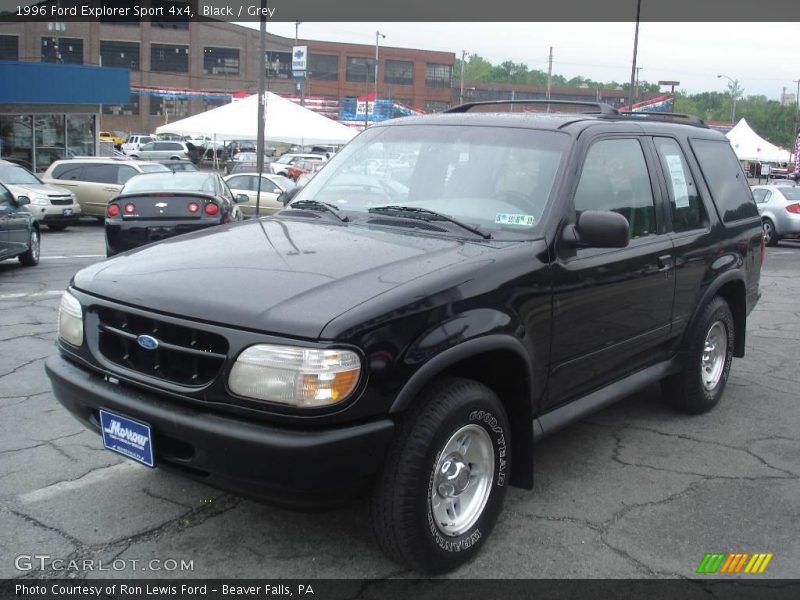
64	256
101	475
31	294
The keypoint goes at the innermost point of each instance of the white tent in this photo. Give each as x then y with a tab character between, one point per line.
748	145
286	122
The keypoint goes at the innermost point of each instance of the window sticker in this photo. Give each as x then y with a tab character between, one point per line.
680	189
510	219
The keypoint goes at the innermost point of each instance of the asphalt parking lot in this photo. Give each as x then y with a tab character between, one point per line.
635	491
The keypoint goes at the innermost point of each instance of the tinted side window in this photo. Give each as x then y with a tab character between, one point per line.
615	178
725	180
160	146
101	173
687	207
73	171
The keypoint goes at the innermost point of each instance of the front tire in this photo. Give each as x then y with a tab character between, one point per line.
771	237
445	477
698	388
31	257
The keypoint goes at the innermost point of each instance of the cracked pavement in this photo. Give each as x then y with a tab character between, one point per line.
636	490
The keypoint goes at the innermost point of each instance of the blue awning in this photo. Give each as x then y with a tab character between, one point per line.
55	83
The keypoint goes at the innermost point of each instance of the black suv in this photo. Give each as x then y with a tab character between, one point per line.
445	291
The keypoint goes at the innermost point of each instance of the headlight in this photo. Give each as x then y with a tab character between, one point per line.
296	376
39	200
70	320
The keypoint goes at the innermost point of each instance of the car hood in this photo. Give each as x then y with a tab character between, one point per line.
40	189
277	275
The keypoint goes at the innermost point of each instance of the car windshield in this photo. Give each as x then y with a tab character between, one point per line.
182	181
246	157
498	178
14	175
791	194
284	182
285	159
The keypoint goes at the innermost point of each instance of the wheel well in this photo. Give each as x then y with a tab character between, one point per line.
505	373
734	294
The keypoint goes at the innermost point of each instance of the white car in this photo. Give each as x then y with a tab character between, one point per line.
134	142
278	167
779	207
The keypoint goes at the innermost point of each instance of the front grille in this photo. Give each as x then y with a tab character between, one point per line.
185	355
60	201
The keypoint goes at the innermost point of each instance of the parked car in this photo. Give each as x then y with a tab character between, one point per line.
414	348
178	165
302	167
20	231
51	205
161	151
779	207
117	137
272	186
135	142
244	162
94	181
282	164
157	206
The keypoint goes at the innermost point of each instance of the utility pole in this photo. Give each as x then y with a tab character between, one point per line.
262	69
464	54
635	50
549	75
378	35
735	90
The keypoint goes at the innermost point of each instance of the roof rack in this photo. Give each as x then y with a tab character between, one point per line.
601	107
666	116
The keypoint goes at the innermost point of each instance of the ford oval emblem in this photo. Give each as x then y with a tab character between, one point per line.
147	342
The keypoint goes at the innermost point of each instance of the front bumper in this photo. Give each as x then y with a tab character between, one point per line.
55	214
300	468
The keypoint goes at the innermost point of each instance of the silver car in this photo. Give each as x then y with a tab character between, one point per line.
779	207
52	205
161	151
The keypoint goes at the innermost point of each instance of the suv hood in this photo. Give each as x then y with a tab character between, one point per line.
275	275
39	189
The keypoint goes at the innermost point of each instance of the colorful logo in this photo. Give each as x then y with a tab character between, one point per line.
734	562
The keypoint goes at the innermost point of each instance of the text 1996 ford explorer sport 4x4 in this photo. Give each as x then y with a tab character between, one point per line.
446	290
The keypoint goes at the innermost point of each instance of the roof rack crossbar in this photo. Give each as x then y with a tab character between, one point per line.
666	116
601	107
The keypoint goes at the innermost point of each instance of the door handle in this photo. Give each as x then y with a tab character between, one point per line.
665	262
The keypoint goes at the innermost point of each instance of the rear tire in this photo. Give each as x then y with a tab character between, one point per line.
699	387
771	237
31	257
444	478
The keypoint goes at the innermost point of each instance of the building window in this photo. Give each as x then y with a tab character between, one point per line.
399	72
438	76
279	65
323	67
215	103
62	50
9	47
359	70
220	61
131	108
433	106
165	57
120	54
172	108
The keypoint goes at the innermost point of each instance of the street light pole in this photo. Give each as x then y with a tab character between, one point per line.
635	50
734	87
796	110
378	35
262	68
464	54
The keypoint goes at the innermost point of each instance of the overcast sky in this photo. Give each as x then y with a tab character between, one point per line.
762	56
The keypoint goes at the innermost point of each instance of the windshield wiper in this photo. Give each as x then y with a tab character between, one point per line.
426	214
317	205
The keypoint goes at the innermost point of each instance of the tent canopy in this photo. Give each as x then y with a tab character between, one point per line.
286	122
748	145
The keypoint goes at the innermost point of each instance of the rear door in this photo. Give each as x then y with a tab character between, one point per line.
101	183
612	306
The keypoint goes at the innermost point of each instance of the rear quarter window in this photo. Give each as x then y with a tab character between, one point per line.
68	171
725	179
101	173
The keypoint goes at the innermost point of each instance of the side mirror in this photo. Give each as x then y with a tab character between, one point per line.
601	229
239	198
23	200
289	195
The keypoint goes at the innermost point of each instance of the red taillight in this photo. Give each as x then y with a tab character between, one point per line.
793	208
193	207
112	210
212	209
130	208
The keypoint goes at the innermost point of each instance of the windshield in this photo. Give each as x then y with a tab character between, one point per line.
285	159
14	175
246	157
283	182
183	181
498	178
